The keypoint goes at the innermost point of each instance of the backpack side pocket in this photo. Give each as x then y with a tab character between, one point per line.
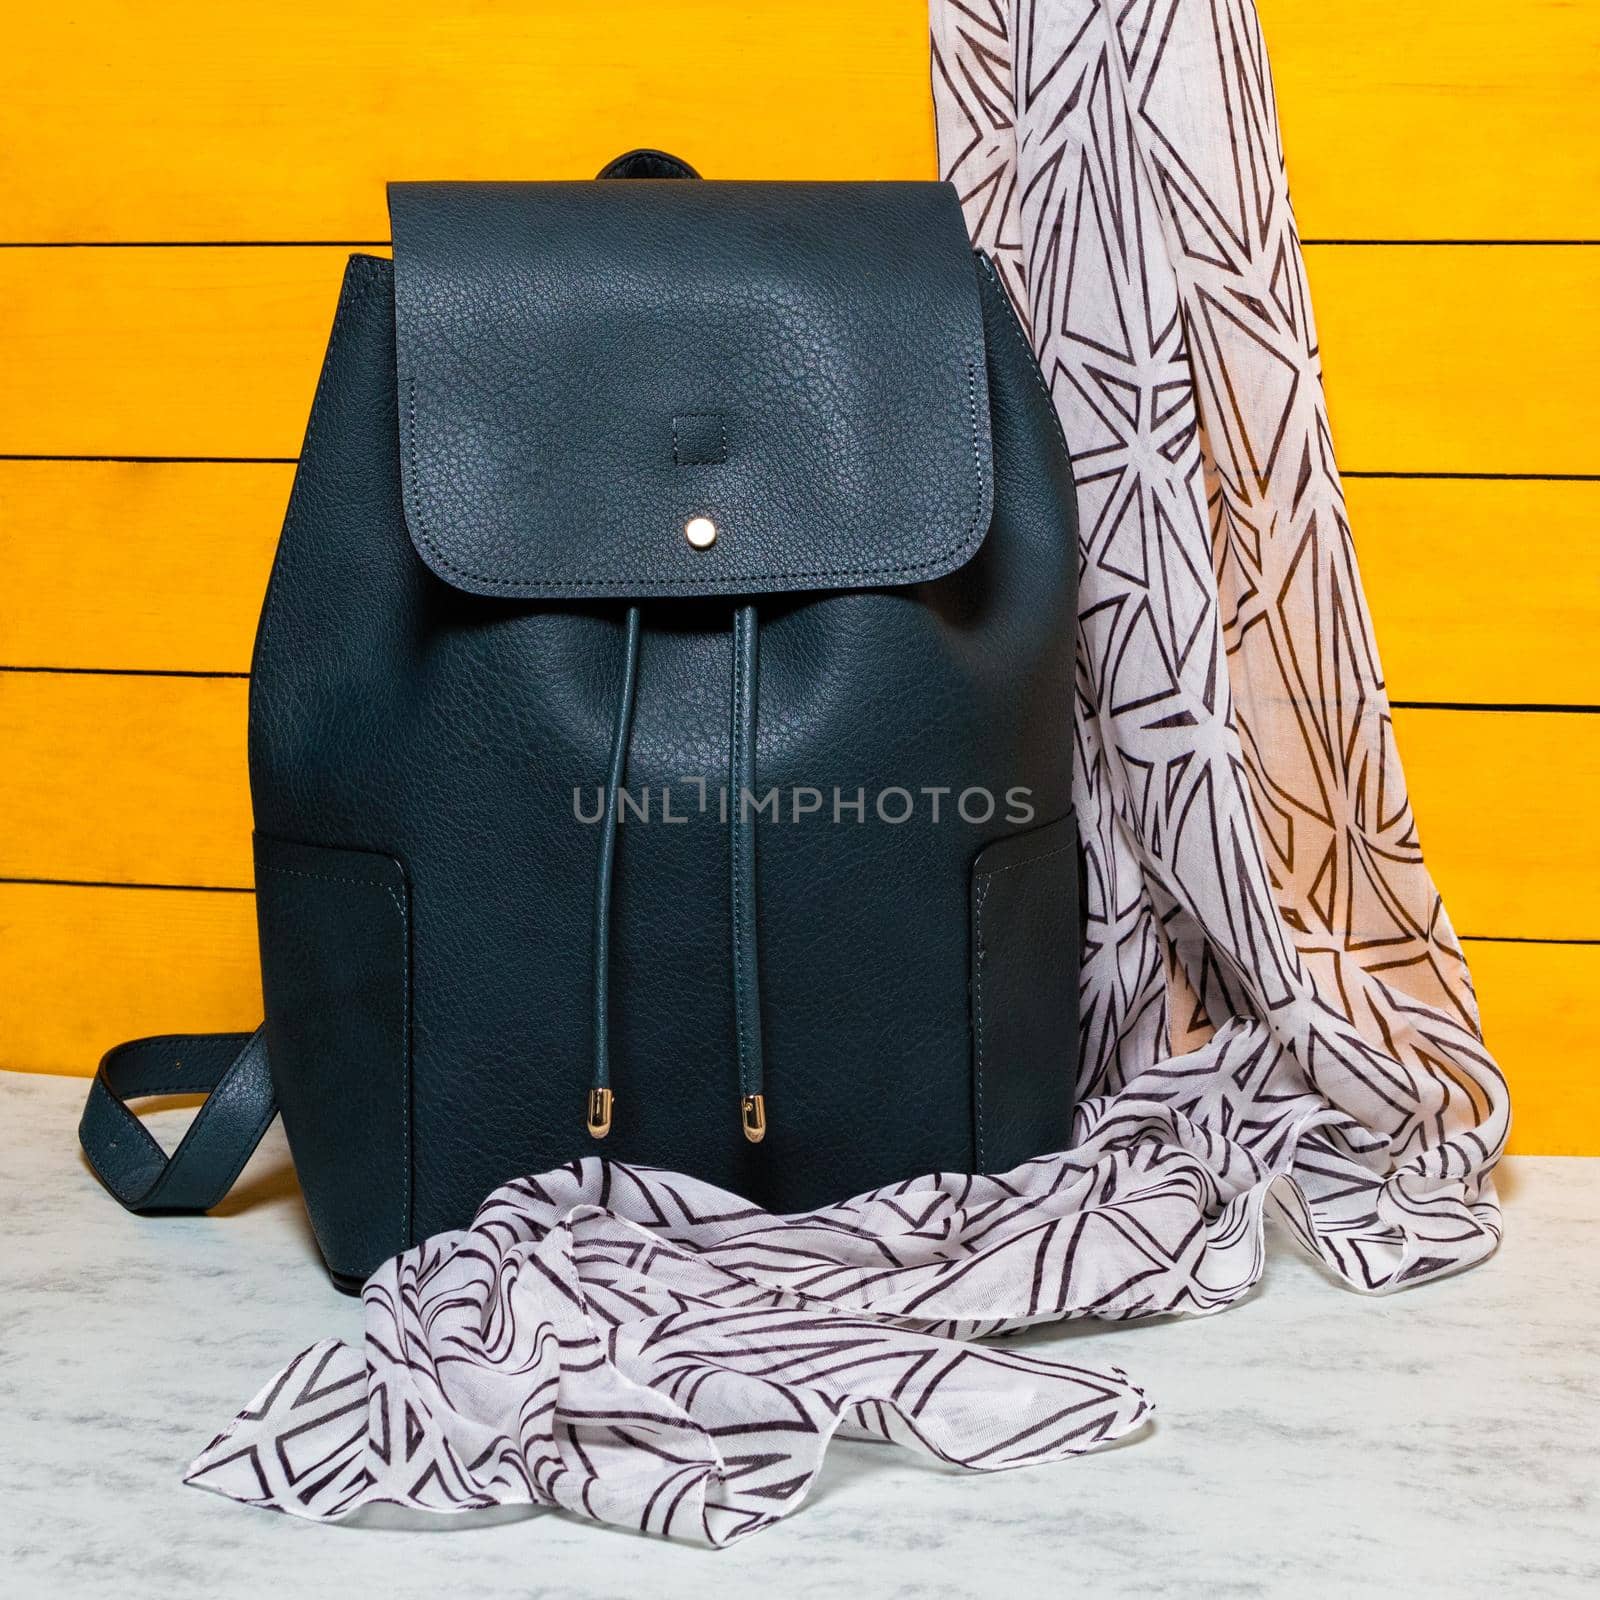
1026	946
335	973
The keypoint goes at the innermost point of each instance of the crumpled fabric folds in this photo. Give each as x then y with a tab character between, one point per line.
1276	1012
650	1351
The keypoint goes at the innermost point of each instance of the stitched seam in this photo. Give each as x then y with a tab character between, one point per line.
985	881
722	432
1035	371
405	1020
322	877
1028	861
964	544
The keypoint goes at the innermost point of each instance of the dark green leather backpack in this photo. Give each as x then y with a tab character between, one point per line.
661	719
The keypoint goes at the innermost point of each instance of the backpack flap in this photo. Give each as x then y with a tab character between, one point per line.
635	389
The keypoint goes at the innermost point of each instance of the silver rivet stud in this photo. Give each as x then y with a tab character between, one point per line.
701	532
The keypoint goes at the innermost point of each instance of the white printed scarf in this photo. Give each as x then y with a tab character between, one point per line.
1275	1009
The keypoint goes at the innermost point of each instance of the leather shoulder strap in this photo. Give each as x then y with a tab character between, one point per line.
229	1068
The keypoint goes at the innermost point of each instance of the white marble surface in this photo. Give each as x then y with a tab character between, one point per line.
1309	1442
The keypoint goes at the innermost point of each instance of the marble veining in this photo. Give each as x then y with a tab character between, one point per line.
1449	1435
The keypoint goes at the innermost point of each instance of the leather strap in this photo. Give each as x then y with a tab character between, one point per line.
621	734
742	861
229	1068
647	164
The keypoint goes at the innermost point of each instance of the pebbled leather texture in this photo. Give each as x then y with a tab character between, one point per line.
335	973
1026	939
561	344
400	716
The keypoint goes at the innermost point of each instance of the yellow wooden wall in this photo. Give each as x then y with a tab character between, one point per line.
179	185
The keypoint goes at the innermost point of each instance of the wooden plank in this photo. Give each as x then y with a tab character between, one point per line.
124	780
82	969
152	567
151	772
196	121
190	121
1482	592
1439	360
1459	359
163	352
1506	804
135	566
1538	1007
1407	119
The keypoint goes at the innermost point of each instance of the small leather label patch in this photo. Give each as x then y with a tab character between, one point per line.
699	439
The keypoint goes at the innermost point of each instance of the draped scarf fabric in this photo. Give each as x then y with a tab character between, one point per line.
1276	1011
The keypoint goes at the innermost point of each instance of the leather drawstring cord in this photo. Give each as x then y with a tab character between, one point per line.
742	881
622	726
742	886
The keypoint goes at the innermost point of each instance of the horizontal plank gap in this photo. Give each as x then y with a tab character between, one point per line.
1529	708
229	888
1481	477
294	461
171	461
127	672
195	244
1455	244
174	888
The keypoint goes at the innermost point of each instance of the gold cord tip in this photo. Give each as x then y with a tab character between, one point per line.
753	1113
599	1112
